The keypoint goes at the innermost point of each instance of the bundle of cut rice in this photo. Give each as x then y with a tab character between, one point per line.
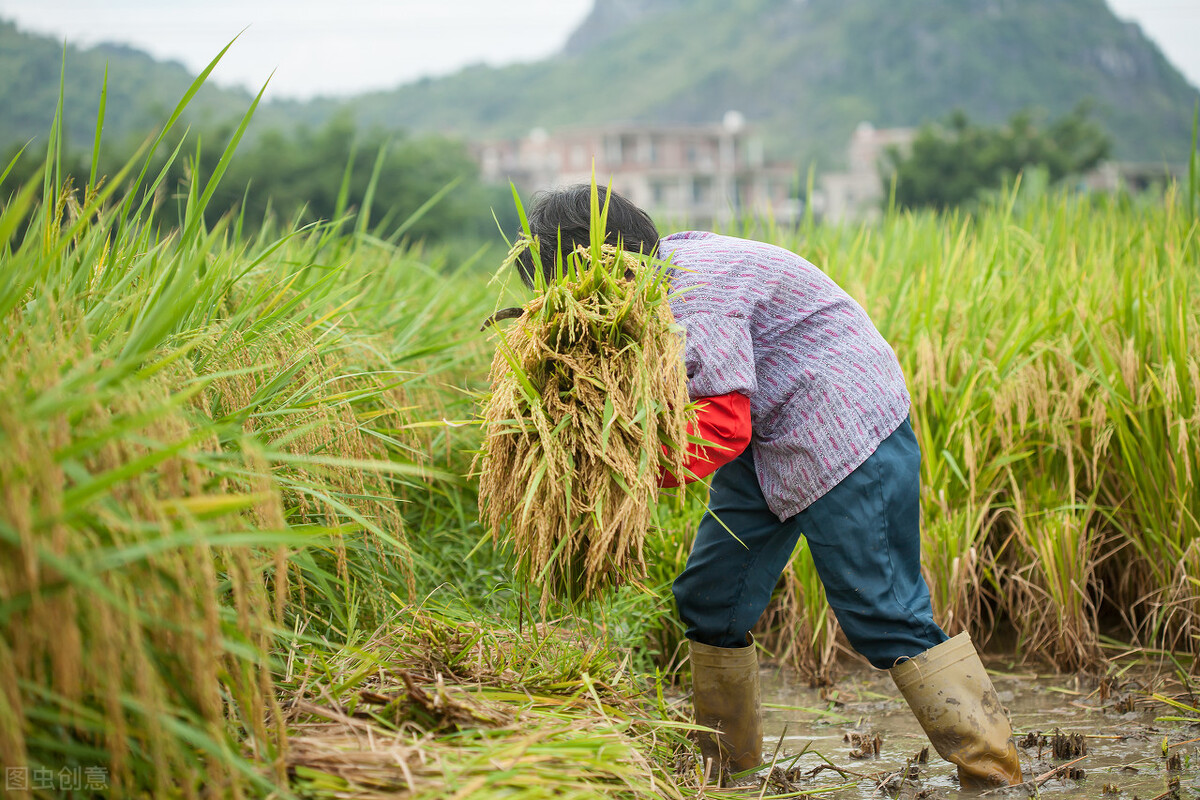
586	389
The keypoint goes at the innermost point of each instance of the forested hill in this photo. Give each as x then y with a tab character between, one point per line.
807	71
142	91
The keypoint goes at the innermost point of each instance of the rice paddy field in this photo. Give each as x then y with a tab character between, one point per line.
240	547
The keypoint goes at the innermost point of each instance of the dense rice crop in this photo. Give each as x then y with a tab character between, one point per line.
1050	345
200	449
230	485
1053	355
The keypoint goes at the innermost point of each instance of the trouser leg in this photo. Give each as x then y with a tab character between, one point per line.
865	539
741	549
864	536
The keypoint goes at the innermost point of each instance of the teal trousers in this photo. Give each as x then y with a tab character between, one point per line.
865	540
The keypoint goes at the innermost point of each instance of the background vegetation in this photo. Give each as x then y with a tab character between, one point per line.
955	164
141	90
417	187
804	74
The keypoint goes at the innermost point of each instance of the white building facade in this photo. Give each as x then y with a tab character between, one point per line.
700	175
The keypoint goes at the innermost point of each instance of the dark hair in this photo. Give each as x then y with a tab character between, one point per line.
567	212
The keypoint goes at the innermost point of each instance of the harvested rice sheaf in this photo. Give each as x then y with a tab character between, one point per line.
587	387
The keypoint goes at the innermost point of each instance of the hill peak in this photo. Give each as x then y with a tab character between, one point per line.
806	72
610	17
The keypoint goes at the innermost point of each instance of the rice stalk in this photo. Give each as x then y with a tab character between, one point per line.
443	702
109	534
1058	556
798	627
1050	346
953	546
588	403
201	450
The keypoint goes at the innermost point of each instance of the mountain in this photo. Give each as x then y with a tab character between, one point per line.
142	91
806	72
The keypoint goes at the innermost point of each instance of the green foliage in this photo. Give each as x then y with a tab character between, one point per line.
807	73
229	460
307	176
200	450
283	173
141	90
1193	184
311	175
1053	359
956	163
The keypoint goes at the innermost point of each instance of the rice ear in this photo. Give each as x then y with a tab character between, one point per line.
588	404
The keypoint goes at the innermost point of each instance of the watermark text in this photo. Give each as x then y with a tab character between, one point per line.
34	779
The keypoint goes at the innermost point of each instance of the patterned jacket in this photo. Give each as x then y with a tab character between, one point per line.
825	388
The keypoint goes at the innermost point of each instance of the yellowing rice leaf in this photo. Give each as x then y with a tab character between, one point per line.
588	403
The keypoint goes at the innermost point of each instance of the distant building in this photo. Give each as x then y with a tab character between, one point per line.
858	193
1133	176
701	174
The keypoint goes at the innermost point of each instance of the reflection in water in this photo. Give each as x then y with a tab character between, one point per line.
1123	738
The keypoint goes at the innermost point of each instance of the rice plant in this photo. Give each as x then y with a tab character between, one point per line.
799	627
588	403
1059	551
229	458
443	702
201	450
1052	354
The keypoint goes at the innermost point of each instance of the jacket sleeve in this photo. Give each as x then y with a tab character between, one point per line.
723	422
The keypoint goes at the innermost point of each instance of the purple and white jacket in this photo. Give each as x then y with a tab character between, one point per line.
825	388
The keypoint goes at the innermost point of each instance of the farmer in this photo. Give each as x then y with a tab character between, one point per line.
806	409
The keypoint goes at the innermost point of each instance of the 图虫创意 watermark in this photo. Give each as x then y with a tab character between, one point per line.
34	779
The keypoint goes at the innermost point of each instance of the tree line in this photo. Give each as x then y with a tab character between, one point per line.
954	163
305	174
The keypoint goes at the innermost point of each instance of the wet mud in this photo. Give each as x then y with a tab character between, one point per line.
1095	741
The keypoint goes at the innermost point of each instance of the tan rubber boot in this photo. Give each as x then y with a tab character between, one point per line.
952	697
726	697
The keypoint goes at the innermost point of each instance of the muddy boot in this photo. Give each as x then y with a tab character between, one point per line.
952	697
725	695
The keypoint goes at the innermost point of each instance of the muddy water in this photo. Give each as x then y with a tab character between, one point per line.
1123	741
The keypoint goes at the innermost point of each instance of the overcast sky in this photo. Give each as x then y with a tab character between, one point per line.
339	47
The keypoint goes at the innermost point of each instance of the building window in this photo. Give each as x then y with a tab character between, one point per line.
628	147
701	190
612	151
578	157
647	152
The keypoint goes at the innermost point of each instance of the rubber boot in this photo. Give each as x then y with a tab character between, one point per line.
726	697
952	697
